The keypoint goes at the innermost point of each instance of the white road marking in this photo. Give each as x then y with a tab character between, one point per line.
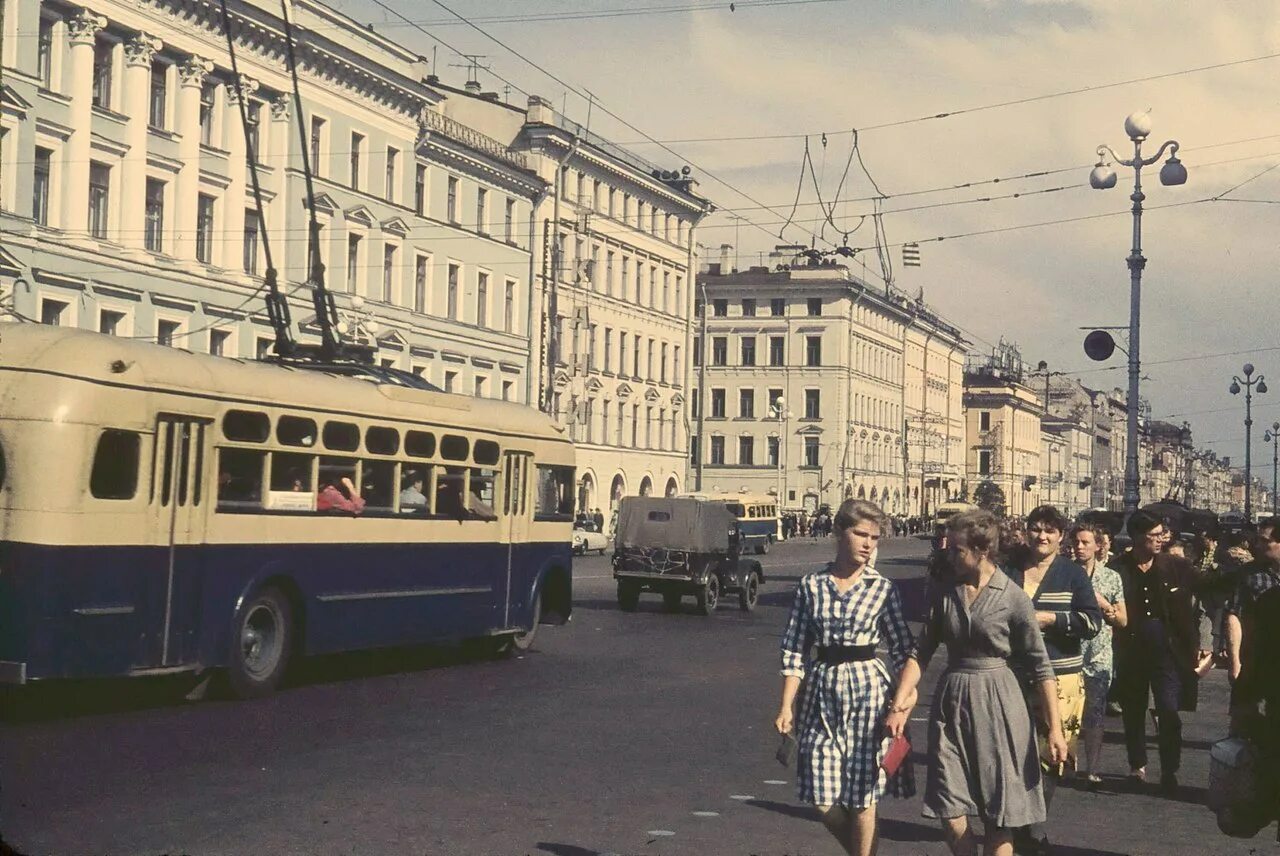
706	814
742	797
660	833
774	782
592	576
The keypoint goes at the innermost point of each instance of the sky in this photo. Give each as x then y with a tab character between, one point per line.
802	69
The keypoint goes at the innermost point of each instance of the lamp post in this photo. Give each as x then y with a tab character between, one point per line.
780	412
1248	385
1272	436
702	387
1103	177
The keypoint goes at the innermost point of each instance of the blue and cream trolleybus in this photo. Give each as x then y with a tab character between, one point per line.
163	511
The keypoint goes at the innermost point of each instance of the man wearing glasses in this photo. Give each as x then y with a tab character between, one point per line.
1167	638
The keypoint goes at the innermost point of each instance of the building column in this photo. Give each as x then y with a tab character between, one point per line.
282	206
81	31
138	54
191	75
237	169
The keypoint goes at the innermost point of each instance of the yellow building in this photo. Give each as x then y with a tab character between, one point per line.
1003	418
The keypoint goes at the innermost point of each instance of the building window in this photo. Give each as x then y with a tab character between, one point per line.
720	351
208	96
747	451
99	198
167	332
451	295
772	450
353	263
357	147
717	450
420	190
777	351
748	350
262	348
719	307
52	312
482	299
253	123
451	207
812	404
509	223
317	141
110	322
717	404
813	351
778	306
697	350
608	350
746	404
420	284
393	157
252	229
159	94
40	186
984	420
509	311
984	462
450	381
388	272
204	228
482	211
815	306
44	53
480	387
748	308
218	340
662	369
153	218
103	54
811	451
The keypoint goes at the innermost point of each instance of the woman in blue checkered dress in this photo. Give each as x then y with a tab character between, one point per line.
845	612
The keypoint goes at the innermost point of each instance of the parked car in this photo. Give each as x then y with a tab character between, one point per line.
678	546
587	537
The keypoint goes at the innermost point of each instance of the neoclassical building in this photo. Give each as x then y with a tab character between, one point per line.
127	203
819	387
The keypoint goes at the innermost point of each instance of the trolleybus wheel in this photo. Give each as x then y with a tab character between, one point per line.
628	596
261	644
709	595
522	642
749	594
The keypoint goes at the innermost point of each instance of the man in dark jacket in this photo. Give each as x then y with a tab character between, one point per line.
1166	640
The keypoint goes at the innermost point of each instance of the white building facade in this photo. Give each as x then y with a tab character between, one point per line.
814	384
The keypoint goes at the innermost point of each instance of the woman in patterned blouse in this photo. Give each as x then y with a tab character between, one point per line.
846	611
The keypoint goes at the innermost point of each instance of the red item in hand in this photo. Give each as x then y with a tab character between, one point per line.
899	749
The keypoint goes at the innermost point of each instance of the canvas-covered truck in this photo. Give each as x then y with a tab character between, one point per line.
678	546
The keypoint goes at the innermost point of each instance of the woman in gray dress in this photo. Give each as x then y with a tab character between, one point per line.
983	758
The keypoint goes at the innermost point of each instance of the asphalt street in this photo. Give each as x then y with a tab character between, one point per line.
623	733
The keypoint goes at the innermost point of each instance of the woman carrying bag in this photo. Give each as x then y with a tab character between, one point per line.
845	611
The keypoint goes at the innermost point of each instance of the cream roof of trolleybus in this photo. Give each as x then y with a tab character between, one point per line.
34	356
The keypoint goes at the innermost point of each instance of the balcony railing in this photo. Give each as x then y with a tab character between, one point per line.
440	123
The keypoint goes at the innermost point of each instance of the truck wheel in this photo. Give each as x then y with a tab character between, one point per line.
671	600
709	595
261	643
522	642
628	596
749	594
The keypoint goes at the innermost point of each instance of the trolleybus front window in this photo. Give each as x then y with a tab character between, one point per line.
115	465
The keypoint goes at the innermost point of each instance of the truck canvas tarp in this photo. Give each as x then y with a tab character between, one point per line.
676	523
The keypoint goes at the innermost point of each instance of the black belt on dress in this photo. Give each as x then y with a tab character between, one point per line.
833	655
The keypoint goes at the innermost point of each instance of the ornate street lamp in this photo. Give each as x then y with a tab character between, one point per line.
1103	177
1272	436
780	412
1248	385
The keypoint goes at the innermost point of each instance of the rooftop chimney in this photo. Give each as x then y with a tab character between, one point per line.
473	86
725	250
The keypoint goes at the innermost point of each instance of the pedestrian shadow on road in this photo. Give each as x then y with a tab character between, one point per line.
566	849
894	830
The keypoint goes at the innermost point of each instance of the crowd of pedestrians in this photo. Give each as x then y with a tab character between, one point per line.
1043	625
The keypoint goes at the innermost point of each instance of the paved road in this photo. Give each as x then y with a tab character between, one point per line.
644	733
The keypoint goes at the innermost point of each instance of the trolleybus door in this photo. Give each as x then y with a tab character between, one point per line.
516	467
178	495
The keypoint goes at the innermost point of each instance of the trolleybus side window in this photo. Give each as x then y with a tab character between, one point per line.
451	486
486	453
480	499
454	448
420	444
382	441
115	465
296	431
246	426
377	485
2	467
341	436
291	471
240	474
555	493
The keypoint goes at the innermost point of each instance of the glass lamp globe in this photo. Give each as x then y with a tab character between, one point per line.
1138	125
1103	177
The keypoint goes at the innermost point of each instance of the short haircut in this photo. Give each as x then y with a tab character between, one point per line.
977	530
1047	515
1142	522
1272	526
853	511
1087	527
